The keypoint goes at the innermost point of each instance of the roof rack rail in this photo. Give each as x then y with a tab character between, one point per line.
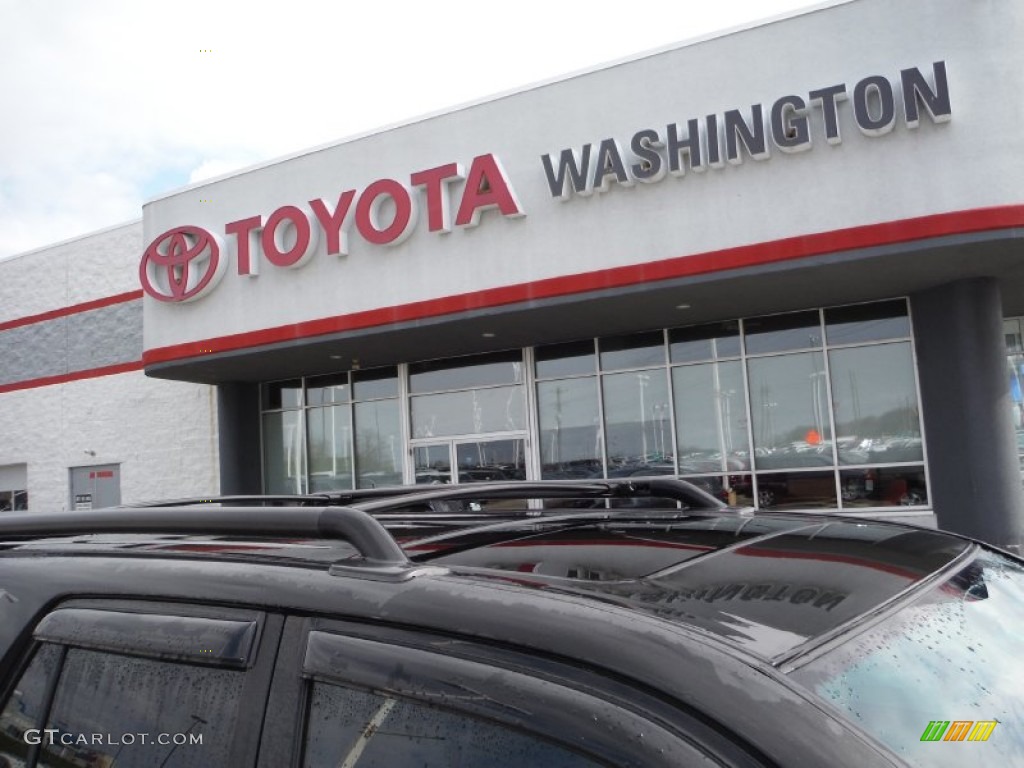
390	497
626	488
318	499
369	537
255	500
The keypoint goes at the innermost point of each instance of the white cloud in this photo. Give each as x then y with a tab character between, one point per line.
109	102
210	169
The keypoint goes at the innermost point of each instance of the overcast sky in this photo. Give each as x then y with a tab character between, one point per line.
106	103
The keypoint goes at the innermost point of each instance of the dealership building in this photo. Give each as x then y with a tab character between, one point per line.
783	262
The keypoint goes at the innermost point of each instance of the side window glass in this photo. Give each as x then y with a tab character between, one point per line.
26	706
121	710
356	729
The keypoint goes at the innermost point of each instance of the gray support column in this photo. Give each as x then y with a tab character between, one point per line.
965	400
238	422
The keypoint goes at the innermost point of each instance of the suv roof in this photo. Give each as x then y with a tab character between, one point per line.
772	585
711	611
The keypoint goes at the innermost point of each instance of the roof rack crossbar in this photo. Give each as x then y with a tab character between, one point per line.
358	528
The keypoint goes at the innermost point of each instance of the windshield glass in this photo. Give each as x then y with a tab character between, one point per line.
940	681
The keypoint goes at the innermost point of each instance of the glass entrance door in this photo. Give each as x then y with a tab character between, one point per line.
475	460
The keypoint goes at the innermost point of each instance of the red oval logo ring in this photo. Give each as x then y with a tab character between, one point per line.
182	264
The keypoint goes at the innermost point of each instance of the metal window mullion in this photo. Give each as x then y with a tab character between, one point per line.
748	396
870	343
884	465
602	430
476	388
541	379
470	437
827	366
633	369
263	446
533	463
352	431
669	370
920	414
304	443
405	419
805	469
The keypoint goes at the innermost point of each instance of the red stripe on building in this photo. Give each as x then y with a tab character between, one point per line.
74	309
91	373
803	246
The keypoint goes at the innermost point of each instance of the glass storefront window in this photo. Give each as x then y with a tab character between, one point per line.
432	464
638	423
330	448
570	432
327	390
782	333
867	322
875	399
751	408
1015	373
16	501
374	383
281	394
883	487
497	409
283	460
379	446
732	489
791	490
491	460
634	351
704	342
711	418
13	485
570	359
1012	335
478	371
789	408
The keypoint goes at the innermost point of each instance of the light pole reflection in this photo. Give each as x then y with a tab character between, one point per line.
643	380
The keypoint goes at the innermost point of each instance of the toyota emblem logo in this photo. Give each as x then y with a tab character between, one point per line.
182	264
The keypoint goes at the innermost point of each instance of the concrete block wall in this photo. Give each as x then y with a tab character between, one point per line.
95	266
72	390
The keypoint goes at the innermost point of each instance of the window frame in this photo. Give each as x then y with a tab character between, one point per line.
632	709
257	669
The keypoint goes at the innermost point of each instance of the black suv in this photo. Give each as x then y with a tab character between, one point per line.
606	623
